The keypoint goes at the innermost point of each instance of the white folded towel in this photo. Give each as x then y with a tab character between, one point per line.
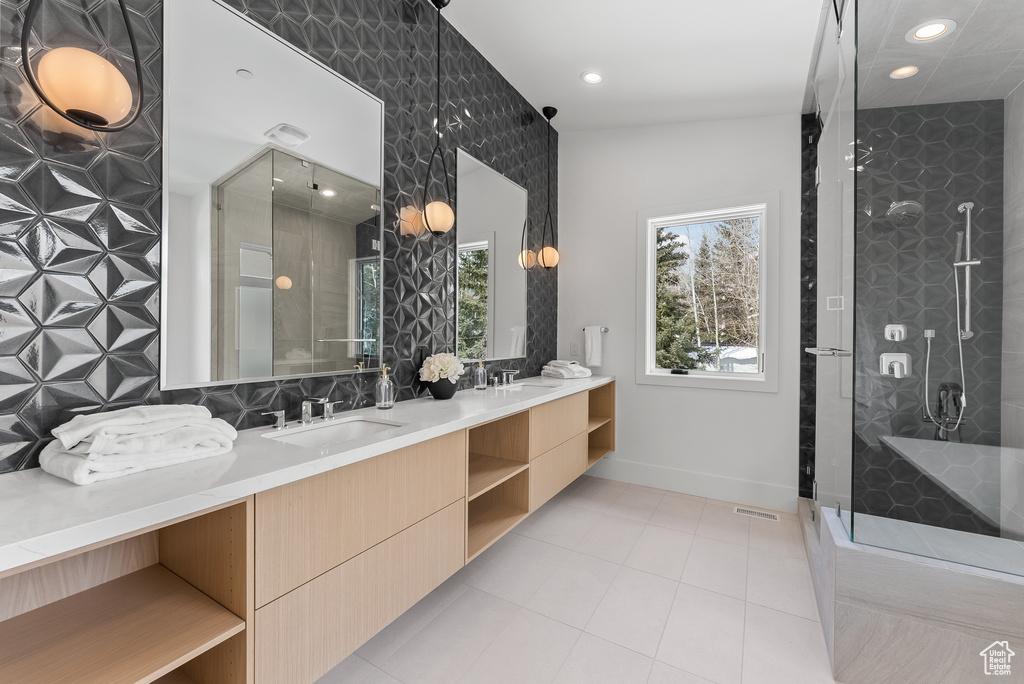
82	471
566	372
592	345
167	439
559	362
135	420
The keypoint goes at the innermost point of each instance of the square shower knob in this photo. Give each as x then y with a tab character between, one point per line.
896	332
895	365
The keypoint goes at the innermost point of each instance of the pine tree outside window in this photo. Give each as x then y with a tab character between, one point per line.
704	291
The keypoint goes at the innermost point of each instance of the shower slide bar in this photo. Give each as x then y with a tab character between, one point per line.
963	249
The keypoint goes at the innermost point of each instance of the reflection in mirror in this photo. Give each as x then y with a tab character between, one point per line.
491	284
934	254
272	235
282	224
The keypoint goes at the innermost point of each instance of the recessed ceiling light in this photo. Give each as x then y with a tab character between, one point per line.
903	72
933	29
244	74
591	77
326	192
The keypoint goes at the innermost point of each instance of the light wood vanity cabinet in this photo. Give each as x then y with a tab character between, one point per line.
283	585
305	528
557	421
305	633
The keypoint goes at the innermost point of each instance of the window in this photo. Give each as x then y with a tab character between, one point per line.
704	295
473	279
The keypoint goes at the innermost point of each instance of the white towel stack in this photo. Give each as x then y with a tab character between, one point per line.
102	446
565	369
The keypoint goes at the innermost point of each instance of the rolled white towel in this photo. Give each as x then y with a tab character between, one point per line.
82	471
84	426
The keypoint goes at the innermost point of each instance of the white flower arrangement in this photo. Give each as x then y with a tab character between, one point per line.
441	366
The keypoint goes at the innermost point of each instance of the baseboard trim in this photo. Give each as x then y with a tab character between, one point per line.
772	496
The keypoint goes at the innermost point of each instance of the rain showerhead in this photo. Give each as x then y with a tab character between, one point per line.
904	213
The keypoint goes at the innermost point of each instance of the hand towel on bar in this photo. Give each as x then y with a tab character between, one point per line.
82	471
123	421
171	439
592	343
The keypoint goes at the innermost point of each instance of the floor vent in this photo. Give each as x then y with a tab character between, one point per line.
756	514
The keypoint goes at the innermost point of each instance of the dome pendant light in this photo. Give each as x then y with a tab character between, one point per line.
548	255
81	86
438	216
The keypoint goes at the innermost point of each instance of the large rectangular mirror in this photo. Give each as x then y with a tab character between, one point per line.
491	283
272	231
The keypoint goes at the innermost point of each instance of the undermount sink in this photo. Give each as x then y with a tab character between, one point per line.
332	432
538	382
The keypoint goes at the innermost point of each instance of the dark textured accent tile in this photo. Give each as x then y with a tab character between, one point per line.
809	132
940	155
80	217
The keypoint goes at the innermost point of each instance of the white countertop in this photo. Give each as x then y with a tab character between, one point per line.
42	516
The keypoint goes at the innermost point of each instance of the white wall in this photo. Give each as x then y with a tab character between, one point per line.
733	445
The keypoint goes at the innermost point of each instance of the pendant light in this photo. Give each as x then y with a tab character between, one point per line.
438	216
81	86
547	257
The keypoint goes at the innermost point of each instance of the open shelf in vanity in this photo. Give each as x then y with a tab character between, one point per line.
498	485
130	611
600	423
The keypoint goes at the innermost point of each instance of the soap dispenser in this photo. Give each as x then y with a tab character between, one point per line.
480	376
385	390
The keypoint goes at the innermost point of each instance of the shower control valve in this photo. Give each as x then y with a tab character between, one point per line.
896	332
895	365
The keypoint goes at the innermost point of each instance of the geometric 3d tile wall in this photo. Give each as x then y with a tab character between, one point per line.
80	215
939	155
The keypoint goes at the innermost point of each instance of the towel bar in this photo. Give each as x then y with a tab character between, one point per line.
603	329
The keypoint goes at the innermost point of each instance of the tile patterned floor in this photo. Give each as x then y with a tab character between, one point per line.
618	584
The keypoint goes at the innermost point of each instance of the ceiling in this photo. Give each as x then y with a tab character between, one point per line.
982	59
663	61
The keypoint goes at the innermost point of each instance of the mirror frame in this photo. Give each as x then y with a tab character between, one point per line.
455	267
166	153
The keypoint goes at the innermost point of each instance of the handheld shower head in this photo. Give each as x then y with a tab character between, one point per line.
959	246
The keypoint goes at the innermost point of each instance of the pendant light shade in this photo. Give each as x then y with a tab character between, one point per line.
438	215
547	257
80	85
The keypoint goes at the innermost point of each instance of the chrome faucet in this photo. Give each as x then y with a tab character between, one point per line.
278	418
307	408
330	408
508	377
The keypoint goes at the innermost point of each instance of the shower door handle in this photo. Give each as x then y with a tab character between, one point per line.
827	351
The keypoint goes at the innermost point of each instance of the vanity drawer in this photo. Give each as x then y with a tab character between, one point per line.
552	471
304	634
305	528
556	422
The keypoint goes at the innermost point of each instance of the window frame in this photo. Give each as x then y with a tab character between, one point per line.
648	222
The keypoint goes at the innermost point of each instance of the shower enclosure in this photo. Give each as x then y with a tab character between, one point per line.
921	280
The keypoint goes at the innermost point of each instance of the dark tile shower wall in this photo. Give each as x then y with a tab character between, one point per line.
939	155
80	217
809	131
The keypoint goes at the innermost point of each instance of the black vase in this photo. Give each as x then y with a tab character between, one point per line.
442	389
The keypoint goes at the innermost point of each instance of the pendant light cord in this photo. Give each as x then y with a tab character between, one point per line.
548	222
437	152
30	17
